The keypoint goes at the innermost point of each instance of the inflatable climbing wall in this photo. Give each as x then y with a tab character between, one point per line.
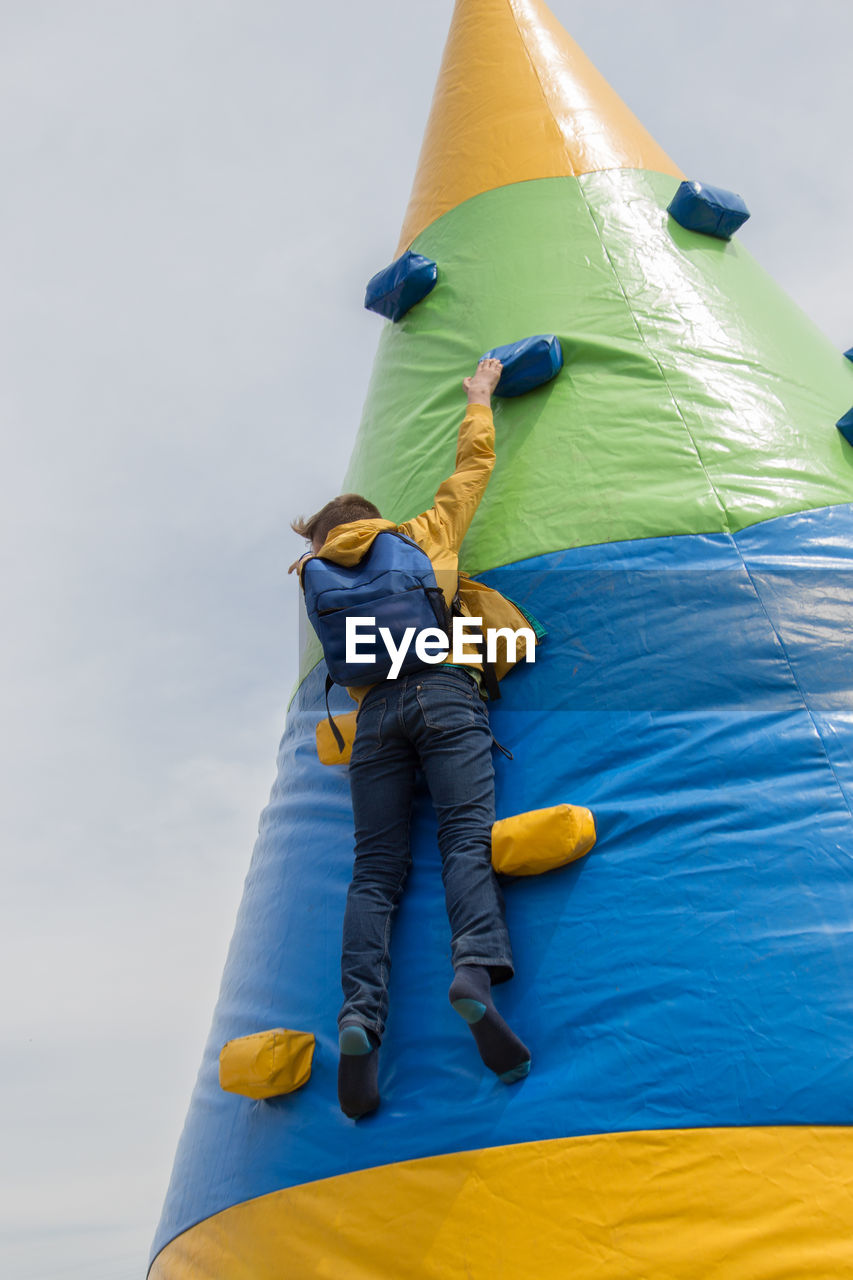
677	507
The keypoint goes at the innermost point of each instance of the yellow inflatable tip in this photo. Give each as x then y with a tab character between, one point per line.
529	843
517	99
267	1064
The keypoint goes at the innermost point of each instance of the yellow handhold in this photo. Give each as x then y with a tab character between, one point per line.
267	1064
529	843
327	749
517	99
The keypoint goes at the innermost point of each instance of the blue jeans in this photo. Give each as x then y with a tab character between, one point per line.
437	720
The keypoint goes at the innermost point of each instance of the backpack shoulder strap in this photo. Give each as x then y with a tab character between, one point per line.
336	733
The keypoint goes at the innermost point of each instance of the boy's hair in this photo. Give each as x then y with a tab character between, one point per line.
341	510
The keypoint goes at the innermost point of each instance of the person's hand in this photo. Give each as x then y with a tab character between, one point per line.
481	384
298	562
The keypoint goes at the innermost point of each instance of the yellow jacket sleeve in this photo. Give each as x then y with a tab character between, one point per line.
440	530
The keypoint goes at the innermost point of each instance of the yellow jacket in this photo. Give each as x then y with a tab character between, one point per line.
440	531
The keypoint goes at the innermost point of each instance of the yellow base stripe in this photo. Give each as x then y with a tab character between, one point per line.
684	1204
517	99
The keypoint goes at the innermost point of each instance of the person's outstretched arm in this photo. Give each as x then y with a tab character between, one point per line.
441	529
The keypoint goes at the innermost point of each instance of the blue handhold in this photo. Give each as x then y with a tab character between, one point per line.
845	426
710	210
395	290
849	354
527	364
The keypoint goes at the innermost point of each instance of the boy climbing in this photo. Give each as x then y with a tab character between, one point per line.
433	718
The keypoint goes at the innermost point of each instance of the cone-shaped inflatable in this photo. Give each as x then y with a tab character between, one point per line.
677	507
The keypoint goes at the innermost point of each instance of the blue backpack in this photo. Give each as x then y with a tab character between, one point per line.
394	584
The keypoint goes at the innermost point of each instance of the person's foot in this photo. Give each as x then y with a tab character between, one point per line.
358	1091
499	1047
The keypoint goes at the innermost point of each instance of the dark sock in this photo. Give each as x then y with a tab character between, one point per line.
499	1046
358	1091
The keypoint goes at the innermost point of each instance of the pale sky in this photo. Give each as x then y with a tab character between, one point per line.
195	194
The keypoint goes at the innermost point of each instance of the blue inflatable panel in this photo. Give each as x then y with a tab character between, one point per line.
395	290
849	353
710	210
696	694
527	364
845	426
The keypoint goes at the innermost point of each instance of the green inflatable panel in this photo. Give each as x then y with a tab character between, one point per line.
654	426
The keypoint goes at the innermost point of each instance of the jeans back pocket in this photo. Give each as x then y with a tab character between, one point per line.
447	703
